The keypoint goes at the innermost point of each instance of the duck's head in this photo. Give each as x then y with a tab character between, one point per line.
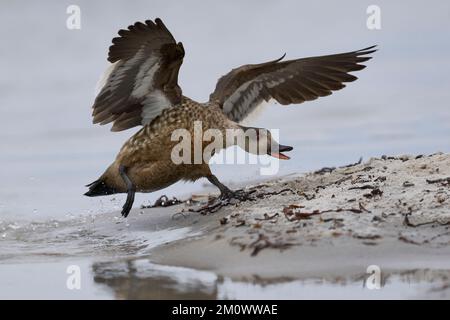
260	141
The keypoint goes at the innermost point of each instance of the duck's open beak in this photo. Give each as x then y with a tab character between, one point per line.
280	154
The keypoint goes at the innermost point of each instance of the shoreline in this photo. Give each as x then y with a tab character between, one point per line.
302	232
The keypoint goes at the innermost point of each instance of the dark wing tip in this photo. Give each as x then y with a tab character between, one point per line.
280	58
123	32
137	34
161	25
150	23
367	50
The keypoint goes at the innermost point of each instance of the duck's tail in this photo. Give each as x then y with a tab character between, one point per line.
99	188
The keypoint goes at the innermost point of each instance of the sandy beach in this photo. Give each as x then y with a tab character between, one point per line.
391	211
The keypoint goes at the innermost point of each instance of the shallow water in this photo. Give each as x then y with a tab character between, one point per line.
141	279
113	256
50	149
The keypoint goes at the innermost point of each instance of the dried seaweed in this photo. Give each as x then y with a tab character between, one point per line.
408	184
353	164
444	181
331	169
267	217
292	215
364	187
274	193
375	192
325	170
263	242
362	208
216	204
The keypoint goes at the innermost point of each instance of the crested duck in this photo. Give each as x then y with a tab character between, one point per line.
142	90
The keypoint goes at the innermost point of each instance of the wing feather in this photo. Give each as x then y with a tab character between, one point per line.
144	77
241	90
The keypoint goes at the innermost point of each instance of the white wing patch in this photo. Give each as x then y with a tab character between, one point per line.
241	91
104	77
144	79
119	72
243	100
246	102
154	103
275	83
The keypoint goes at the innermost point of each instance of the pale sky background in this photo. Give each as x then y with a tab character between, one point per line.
49	148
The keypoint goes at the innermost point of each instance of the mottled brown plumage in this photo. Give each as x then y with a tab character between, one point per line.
147	153
142	89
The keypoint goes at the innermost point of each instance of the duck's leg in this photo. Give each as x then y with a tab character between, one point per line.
131	190
224	190
226	193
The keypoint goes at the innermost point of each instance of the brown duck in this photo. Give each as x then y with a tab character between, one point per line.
142	89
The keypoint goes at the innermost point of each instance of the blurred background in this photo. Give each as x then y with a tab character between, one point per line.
49	149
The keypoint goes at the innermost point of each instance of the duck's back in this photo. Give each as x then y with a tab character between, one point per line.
155	141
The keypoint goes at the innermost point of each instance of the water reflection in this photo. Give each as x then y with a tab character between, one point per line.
141	279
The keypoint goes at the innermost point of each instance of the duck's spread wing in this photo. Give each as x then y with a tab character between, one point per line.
240	91
144	78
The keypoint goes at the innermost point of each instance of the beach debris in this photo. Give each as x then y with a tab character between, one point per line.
402	158
364	187
366	236
163	201
274	193
441	197
307	196
234	241
292	214
215	204
331	169
407	240
353	164
443	181
408	184
332	220
263	242
362	208
267	217
295	216
408	223
375	192
325	170
377	219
